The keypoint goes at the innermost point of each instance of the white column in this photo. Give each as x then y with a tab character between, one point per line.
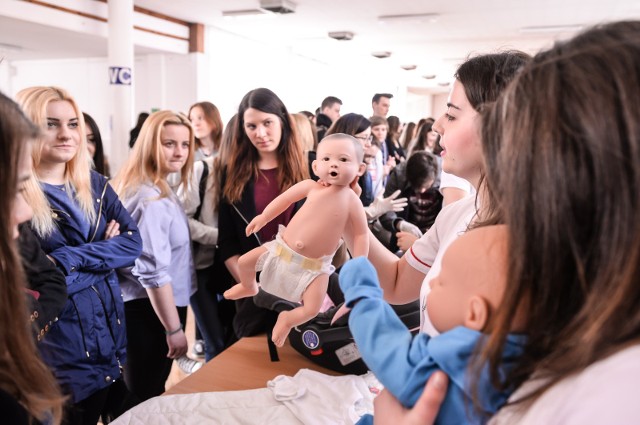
120	79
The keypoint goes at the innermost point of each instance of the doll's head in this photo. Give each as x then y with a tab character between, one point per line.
470	285
339	159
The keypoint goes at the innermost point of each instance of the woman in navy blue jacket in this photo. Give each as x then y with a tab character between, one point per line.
86	233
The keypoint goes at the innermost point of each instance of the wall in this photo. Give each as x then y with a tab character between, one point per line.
238	65
161	81
232	66
439	104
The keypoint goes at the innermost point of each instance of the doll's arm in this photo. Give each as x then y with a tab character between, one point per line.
360	230
400	361
295	193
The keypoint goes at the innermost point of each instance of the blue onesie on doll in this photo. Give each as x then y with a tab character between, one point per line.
403	363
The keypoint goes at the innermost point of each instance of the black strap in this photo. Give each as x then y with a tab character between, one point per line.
273	350
202	188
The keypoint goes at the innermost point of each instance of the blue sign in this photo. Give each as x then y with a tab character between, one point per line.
310	339
120	75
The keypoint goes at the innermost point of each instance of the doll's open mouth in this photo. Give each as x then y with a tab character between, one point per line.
333	174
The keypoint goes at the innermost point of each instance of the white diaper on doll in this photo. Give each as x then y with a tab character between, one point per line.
285	273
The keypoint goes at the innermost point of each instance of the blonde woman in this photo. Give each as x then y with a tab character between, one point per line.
86	232
308	138
158	287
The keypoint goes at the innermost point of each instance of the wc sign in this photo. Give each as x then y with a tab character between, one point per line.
120	75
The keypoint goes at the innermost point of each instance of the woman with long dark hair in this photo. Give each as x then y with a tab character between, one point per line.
478	82
28	389
567	187
94	144
263	159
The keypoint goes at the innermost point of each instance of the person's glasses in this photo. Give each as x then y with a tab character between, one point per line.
365	138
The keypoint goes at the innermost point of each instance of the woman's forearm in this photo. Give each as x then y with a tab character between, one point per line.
165	307
232	266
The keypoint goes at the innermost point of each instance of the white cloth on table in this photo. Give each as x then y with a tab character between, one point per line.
318	399
307	398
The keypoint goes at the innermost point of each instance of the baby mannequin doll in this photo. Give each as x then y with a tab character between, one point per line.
296	266
463	298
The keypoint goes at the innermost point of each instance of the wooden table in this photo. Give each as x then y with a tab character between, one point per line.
245	365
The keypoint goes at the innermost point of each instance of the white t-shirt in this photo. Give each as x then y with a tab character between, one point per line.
449	180
426	253
604	393
376	169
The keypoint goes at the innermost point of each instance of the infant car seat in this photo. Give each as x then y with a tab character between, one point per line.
333	347
330	346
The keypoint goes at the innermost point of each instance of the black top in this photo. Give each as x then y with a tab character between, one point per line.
47	284
395	151
232	240
13	412
323	123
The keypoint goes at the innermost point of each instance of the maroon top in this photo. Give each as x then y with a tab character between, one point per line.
266	190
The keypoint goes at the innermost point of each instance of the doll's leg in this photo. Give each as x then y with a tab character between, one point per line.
248	286
312	299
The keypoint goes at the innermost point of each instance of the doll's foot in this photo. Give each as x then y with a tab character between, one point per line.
238	291
281	329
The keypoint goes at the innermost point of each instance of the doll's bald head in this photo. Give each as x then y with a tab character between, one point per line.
472	280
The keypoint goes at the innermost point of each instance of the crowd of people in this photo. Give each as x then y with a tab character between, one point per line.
536	163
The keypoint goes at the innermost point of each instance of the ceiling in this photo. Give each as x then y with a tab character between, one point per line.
435	46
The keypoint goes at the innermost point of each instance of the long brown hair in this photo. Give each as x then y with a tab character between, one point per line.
228	135
484	78
22	374
242	157
569	172
420	141
407	135
212	116
394	129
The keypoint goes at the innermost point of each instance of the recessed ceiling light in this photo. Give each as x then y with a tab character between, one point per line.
341	35
6	47
246	13
550	28
429	76
381	55
414	18
409	67
444	83
278	6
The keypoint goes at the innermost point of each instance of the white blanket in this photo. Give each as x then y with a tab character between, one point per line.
308	398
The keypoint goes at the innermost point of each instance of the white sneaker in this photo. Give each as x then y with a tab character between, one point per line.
188	365
198	348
